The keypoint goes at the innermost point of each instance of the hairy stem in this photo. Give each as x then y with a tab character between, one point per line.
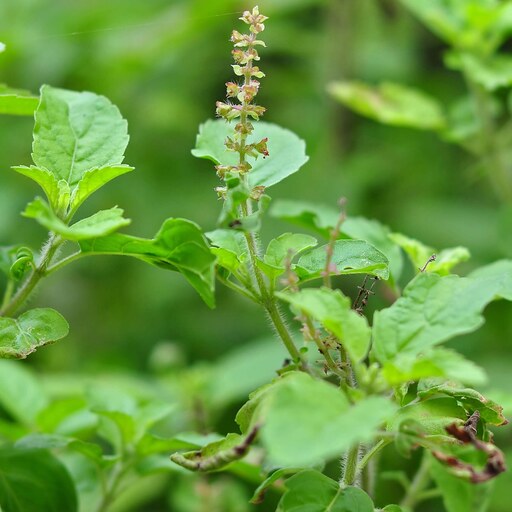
350	465
40	271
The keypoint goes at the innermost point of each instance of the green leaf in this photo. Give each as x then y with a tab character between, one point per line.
392	508
50	441
419	254
179	245
261	490
435	308
45	179
93	179
17	101
319	218
498	275
102	223
460	495
433	415
250	366
310	491
230	248
286	407
491	72
349	256
333	310
438	362
286	150
476	25
34	480
377	234
33	329
21	395
285	246
322	219
390	103
471	400
75	132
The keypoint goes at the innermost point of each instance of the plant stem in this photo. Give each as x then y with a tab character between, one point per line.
376	448
281	329
418	484
112	485
351	466
40	271
313	333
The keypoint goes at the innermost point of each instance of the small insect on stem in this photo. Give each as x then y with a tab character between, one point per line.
427	263
364	294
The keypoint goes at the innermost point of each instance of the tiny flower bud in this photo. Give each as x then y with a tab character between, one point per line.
261	147
227	111
255	111
238	56
244	129
257	192
221	192
232	89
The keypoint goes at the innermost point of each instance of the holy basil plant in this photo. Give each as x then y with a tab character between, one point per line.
351	385
78	147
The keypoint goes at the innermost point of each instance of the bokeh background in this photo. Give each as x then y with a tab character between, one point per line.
164	64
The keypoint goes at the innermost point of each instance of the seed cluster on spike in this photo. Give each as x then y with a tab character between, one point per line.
240	98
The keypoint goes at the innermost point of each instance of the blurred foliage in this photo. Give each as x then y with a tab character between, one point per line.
164	64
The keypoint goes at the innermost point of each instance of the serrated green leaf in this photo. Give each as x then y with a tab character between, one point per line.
433	415
323	218
285	246
460	495
101	223
21	394
34	480
390	103
33	329
419	254
45	179
349	256
333	310
377	234
75	132
435	308
438	362
93	179
310	491
286	150
285	407
471	400
179	245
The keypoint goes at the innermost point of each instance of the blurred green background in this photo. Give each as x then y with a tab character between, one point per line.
164	64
